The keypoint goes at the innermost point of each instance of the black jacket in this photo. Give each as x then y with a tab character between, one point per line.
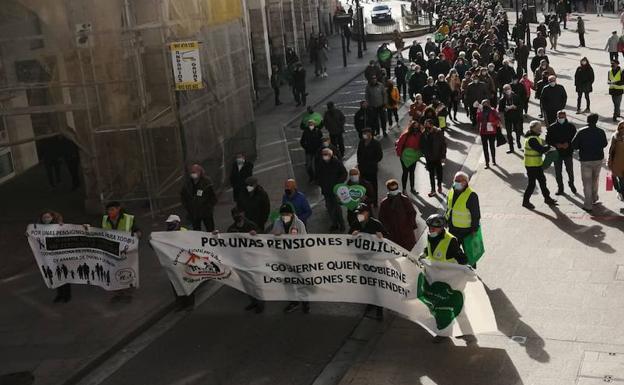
198	198
257	206
299	79
433	145
444	92
428	92
414	49
553	98
334	121
590	141
506	75
417	82
237	177
584	78
311	140
514	115
561	133
399	72
371	226
535	62
330	174
368	156
365	118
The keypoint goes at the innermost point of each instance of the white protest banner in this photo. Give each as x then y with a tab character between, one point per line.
71	254
446	299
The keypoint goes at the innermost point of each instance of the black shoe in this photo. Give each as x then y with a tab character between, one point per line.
528	205
278	103
298	104
487	166
58	299
385	133
572	188
560	192
588	210
67	298
414	191
251	306
306	308
510	151
494	163
550	202
291	307
259	308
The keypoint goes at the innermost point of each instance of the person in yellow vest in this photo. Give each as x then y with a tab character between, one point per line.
463	212
616	87
534	149
174	223
117	219
442	246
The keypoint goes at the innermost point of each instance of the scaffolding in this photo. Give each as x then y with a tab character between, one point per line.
111	91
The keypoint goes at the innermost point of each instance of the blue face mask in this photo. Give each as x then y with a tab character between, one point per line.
561	121
434	235
458	186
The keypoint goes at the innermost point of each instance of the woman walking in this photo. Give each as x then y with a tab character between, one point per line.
616	160
408	149
488	122
454	82
583	81
434	149
392	106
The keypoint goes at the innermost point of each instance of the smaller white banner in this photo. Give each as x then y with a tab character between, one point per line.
186	65
71	254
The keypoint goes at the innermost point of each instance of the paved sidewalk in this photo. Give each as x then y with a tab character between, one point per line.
56	341
555	275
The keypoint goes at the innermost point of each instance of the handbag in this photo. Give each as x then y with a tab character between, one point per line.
609	182
500	138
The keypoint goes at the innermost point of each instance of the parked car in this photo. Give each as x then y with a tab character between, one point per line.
381	13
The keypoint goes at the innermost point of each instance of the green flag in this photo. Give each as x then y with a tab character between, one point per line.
410	156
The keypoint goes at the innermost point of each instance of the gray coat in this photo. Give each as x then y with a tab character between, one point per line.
612	43
278	226
376	95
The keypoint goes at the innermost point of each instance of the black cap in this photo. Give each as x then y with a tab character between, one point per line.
113	204
286	208
362	207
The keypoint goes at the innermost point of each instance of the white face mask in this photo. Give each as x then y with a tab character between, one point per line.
366	137
458	186
507	92
311	127
286	218
434	234
194	176
46	220
250	188
394	192
361	217
240	160
326	158
354	178
561	121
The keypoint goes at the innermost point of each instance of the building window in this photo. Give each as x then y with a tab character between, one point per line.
6	163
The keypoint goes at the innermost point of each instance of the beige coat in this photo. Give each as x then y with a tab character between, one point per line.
616	157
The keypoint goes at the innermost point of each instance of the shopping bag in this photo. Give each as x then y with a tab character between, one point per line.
473	246
549	158
609	182
500	138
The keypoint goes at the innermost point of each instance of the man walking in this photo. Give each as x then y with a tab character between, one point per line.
334	121
590	141
612	46
534	149
616	87
198	198
510	105
553	99
330	172
369	154
560	135
376	97
276	83
299	84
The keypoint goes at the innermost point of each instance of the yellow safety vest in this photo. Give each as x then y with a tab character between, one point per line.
125	223
460	217
442	121
614	79
532	158
439	254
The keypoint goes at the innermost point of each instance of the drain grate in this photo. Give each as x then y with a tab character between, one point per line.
601	368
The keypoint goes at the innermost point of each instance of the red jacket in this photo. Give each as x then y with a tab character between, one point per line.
449	54
398	216
493	118
408	140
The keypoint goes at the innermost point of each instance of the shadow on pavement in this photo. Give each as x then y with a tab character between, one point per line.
406	355
592	236
510	324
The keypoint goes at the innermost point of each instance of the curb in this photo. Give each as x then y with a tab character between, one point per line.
127	338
